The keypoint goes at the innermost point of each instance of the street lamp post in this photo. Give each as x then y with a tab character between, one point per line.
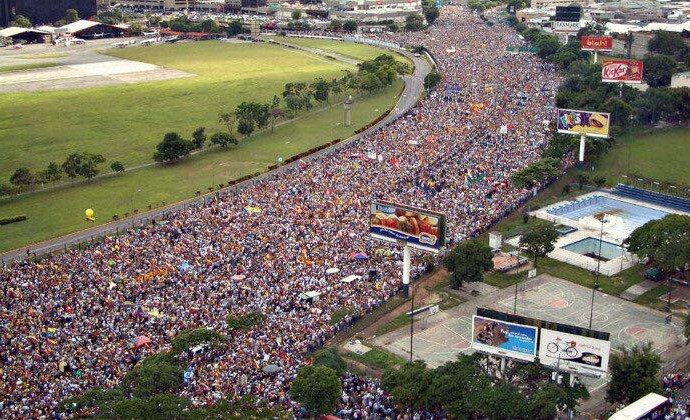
517	280
596	280
132	205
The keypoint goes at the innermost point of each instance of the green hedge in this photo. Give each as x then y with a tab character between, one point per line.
13	219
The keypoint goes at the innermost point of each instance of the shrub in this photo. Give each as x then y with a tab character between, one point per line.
13	219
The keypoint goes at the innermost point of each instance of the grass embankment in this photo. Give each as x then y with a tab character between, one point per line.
20	67
135	119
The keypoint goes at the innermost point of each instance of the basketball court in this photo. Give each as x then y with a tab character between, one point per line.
441	338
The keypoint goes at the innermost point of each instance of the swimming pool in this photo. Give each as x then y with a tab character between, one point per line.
590	247
632	215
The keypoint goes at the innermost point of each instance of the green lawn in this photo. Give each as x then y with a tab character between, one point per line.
659	154
348	49
40	56
377	358
19	67
55	213
125	122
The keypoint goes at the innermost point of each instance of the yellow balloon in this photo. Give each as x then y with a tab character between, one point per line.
89	213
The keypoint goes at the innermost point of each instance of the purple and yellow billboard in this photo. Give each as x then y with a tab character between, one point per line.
418	228
593	124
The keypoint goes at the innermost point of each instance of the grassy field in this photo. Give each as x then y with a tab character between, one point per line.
20	67
40	56
125	122
348	49
54	213
659	154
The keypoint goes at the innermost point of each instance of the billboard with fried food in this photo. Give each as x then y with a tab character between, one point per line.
503	338
593	124
418	228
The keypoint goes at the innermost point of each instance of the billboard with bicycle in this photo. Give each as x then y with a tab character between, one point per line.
503	338
574	353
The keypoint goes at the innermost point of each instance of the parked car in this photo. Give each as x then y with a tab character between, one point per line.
654	273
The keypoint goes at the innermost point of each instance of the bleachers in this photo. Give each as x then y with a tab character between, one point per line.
653	197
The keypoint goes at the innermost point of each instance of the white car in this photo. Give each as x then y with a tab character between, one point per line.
78	41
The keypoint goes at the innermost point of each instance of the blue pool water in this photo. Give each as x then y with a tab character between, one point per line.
590	248
634	215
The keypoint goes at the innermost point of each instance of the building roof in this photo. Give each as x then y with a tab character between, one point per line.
79	26
14	31
650	27
47	28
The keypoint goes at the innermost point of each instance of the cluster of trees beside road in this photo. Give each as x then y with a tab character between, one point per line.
79	164
372	75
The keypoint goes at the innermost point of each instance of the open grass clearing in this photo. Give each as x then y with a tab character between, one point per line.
125	122
55	213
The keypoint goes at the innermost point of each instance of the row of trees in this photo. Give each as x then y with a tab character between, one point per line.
80	164
21	21
182	23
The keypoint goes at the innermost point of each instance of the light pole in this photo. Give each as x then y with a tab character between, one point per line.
517	280
333	127
596	280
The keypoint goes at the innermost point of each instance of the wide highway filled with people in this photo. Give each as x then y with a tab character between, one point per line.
69	323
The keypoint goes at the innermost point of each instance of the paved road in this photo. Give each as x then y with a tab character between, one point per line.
414	85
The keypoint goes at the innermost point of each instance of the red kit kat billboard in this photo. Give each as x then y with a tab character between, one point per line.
625	71
596	43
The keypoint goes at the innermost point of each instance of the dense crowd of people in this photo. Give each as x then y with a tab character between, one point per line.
73	321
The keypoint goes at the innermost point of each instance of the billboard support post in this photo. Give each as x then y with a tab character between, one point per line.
582	147
596	57
407	265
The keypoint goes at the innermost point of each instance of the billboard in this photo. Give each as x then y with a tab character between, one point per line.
618	70
593	124
503	338
574	353
418	228
596	43
565	26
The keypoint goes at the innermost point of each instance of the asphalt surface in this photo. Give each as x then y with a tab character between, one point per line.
414	86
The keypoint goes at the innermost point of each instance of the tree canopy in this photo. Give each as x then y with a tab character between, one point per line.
539	240
172	148
317	389
665	241
634	373
468	261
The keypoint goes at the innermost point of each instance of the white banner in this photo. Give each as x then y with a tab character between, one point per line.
574	353
562	26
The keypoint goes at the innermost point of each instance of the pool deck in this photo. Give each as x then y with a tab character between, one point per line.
590	227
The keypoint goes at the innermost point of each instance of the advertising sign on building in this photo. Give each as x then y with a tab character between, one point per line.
574	353
565	26
619	70
418	228
596	43
593	124
503	338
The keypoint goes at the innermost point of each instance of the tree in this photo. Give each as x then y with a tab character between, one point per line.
136	28
539	240
52	173
21	22
634	372
172	148
89	165
431	80
459	388
23	177
275	115
71	15
335	25
245	127
431	14
296	14
658	70
468	261
209	26
330	358
235	28
317	389
547	45
414	22
275	102
668	43
154	375
686	329
665	241
223	139
350	25
117	167
199	138
620	111
320	89
409	385
71	166
228	119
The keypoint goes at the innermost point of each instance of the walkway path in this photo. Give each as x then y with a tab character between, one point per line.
414	85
